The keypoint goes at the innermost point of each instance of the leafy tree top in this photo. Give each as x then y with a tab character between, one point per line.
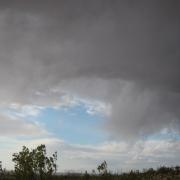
32	163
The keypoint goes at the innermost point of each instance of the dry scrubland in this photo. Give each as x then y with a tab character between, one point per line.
162	173
36	165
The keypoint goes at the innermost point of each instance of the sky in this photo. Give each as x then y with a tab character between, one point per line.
93	80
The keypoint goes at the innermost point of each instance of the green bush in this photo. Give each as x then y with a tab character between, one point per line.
34	164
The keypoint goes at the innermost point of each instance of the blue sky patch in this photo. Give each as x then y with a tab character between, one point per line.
73	124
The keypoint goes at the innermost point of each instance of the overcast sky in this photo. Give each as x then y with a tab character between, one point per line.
92	79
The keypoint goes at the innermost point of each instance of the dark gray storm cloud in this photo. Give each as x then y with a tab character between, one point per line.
125	53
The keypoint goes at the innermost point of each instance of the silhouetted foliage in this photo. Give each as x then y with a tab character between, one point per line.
34	164
102	168
162	173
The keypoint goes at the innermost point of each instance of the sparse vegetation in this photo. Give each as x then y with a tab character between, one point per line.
35	165
162	173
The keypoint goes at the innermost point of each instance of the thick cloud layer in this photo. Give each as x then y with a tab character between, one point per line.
122	53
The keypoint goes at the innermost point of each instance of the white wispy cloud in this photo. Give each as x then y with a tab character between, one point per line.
19	127
55	100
